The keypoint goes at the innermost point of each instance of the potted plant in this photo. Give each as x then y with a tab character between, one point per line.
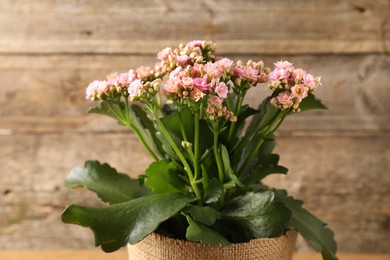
210	151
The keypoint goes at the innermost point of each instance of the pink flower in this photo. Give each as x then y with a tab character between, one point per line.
164	54
279	74
91	90
297	75
135	88
143	72
251	73
182	59
112	79
196	94
195	43
308	80
299	91
201	84
247	72
102	88
239	72
225	63
175	72
132	75
215	110
285	65
215	101
222	90
213	70
123	79
198	69
285	98
172	85
187	82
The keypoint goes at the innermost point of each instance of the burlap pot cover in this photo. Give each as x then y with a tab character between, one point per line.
157	247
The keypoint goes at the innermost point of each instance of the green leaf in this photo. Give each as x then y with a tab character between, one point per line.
213	191
185	118
146	127
198	232
128	222
311	102
246	111
262	154
263	163
311	228
265	115
163	177
258	173
228	168
205	215
102	108
267	112
258	214
111	187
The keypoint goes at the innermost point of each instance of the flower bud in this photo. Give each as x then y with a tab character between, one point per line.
237	81
186	145
199	59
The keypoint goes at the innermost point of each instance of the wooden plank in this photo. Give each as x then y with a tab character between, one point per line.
47	93
342	179
269	47
268	27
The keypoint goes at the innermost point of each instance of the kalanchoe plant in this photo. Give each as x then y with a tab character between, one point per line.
205	183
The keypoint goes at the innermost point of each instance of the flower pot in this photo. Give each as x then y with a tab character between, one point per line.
156	246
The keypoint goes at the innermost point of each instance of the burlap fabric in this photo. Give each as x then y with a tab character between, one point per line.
156	247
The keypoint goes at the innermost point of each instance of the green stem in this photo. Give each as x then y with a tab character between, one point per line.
251	155
196	145
183	133
240	99
263	135
178	153
115	112
138	132
217	155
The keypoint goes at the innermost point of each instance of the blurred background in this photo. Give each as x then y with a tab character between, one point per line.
50	50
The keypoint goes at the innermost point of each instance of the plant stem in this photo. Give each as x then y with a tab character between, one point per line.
251	155
263	134
196	145
178	153
240	99
115	112
217	155
137	131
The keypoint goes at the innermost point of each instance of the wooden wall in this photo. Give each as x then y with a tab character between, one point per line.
50	50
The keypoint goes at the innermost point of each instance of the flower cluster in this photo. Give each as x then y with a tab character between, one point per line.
291	85
215	110
134	84
249	75
196	75
189	54
199	80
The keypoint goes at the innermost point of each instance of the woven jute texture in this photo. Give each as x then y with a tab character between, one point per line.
158	247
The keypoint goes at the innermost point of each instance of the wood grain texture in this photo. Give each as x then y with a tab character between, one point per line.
51	50
240	26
